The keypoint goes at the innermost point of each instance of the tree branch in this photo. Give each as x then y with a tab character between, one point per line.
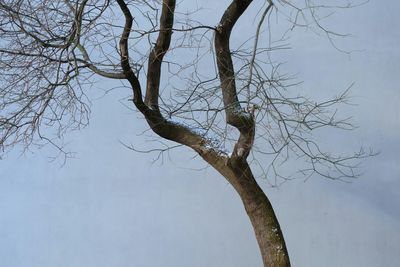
235	115
128	72
167	129
157	53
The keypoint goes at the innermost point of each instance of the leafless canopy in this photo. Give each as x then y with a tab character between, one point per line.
226	99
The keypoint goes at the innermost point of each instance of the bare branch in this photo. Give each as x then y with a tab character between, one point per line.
157	54
128	72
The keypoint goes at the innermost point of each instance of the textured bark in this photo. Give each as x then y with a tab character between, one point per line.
258	207
265	223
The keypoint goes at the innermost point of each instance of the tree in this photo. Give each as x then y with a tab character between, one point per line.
215	98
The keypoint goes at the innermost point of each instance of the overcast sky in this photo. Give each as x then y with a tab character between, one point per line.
112	207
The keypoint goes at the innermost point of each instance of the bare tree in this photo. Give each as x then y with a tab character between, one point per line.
227	100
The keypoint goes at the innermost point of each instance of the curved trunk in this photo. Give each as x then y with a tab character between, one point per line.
267	229
262	216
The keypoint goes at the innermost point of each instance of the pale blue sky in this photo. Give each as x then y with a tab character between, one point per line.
113	207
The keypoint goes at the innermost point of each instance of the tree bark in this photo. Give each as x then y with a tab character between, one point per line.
262	216
257	205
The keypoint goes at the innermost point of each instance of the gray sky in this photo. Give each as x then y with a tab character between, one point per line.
113	207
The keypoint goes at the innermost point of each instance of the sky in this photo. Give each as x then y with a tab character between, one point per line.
110	206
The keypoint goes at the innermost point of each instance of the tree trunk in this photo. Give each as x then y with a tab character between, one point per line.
259	209
262	216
